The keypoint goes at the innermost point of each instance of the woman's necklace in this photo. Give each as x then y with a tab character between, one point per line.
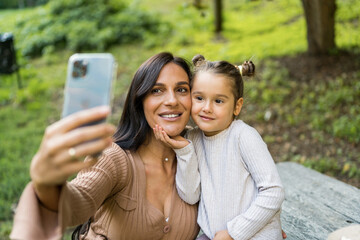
166	159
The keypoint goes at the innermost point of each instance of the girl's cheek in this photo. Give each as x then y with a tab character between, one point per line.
194	108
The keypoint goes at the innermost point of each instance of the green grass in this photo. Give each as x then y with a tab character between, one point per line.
252	29
8	18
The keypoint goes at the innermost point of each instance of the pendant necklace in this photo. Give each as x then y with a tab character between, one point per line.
166	159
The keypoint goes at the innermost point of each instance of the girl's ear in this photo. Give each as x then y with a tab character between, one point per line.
238	106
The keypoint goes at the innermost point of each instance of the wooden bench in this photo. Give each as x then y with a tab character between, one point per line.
315	205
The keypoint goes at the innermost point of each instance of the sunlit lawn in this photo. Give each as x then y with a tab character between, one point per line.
252	29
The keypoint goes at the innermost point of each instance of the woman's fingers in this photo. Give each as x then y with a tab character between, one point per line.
77	119
78	152
57	169
62	174
77	137
65	145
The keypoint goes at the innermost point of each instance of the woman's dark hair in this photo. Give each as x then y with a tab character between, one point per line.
232	72
133	127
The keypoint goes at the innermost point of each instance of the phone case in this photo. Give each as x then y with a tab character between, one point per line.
88	82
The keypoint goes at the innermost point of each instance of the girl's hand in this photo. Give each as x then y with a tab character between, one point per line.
222	235
175	143
283	234
65	144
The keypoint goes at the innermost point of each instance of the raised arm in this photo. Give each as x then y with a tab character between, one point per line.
64	146
37	215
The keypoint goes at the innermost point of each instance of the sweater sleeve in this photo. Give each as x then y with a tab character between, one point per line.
187	174
79	199
270	195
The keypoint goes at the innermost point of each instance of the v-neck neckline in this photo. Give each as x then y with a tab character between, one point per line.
142	188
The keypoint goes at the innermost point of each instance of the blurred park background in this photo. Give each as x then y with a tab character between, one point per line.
304	99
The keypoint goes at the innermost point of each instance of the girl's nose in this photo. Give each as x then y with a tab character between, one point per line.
207	107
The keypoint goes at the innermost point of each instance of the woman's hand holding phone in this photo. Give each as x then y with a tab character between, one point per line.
82	131
64	146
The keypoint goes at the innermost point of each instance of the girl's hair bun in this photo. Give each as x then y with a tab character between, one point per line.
248	69
198	60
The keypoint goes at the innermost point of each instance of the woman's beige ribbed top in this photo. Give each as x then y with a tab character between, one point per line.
113	193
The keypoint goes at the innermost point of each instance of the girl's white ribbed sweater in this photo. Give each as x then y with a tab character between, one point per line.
241	190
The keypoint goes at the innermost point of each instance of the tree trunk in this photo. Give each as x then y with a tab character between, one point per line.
218	15
30	3
21	3
197	4
320	21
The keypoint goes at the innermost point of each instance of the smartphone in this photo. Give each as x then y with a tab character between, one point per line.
89	82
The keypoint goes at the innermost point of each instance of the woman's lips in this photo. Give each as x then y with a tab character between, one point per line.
170	116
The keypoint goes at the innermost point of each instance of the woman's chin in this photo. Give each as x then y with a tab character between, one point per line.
173	132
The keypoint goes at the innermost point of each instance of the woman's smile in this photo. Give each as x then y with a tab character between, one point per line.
170	116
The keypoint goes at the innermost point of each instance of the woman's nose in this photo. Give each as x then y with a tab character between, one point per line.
171	99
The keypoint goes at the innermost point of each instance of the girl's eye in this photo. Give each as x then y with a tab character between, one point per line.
199	98
219	101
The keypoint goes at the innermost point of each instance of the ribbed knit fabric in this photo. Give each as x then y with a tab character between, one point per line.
113	194
241	189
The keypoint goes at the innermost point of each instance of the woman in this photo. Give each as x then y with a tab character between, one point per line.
129	192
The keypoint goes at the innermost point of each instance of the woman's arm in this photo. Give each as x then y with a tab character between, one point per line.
37	215
78	199
270	195
62	150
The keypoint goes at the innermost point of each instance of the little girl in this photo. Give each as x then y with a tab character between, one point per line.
241	192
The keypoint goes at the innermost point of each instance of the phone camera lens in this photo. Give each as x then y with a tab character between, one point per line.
79	69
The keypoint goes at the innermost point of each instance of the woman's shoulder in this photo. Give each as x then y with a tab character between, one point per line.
115	151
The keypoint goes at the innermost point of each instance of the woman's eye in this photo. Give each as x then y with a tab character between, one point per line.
183	90
219	101
156	90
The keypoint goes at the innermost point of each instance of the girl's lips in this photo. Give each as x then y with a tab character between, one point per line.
206	118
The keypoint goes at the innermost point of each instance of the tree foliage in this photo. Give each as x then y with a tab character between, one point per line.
81	25
21	3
